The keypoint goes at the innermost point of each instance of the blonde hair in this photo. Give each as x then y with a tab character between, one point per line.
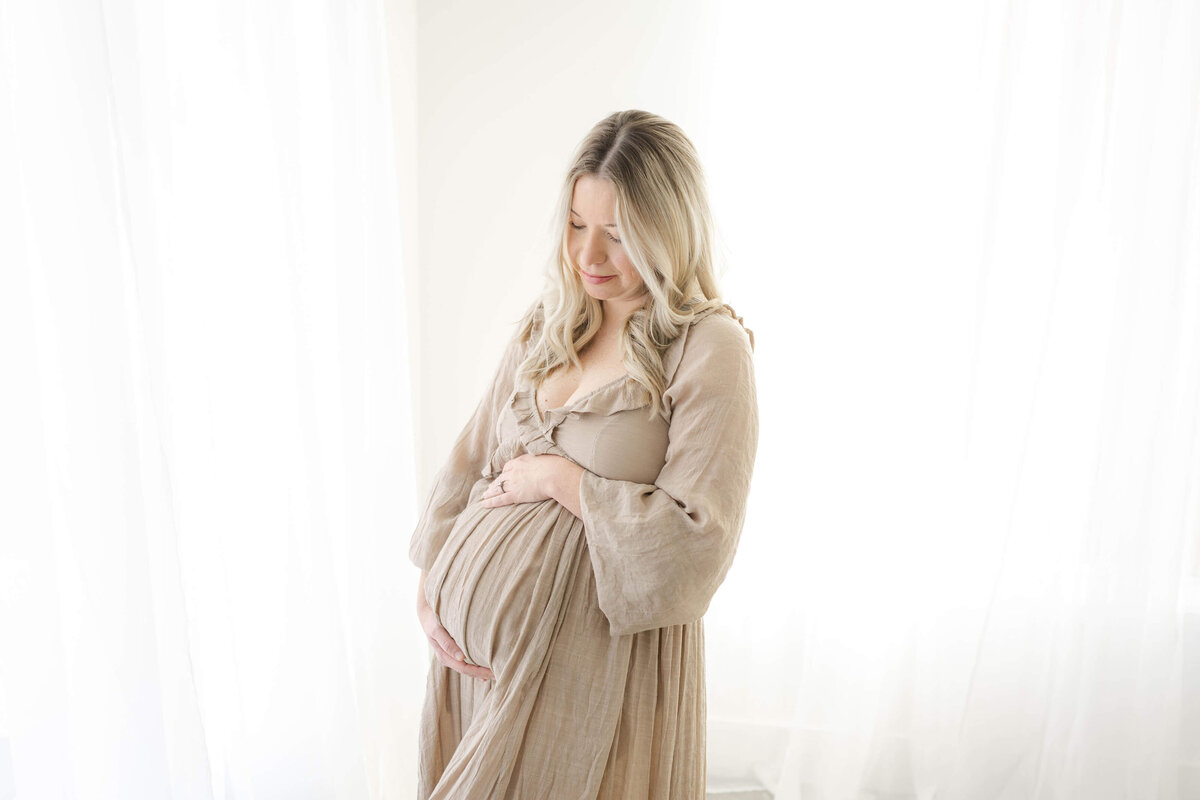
664	222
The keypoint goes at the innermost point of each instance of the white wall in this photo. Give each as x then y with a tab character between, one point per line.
505	92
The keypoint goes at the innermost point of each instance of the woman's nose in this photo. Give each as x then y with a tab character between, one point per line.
593	251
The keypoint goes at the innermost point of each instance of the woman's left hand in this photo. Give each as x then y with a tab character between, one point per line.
525	479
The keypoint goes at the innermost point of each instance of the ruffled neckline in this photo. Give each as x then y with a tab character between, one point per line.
620	394
581	401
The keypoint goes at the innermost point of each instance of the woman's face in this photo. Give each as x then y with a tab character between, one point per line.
595	248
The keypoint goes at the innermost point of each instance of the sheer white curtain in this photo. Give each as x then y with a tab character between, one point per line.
971	566
205	445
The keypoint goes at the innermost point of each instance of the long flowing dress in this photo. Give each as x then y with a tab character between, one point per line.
592	626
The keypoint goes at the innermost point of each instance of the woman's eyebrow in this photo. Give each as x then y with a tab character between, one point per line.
607	224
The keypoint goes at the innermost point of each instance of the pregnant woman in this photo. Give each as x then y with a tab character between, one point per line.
592	505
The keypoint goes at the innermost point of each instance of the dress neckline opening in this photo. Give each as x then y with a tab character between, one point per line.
542	417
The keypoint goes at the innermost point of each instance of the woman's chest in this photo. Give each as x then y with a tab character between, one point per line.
566	385
607	432
624	445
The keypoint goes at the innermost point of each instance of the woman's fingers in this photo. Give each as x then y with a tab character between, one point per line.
445	648
447	643
493	489
483	673
440	637
458	665
451	655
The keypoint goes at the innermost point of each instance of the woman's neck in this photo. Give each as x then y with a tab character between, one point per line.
616	312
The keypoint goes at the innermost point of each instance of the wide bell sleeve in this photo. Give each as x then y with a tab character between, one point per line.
466	463
659	551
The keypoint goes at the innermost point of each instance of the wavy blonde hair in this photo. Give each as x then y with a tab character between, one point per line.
665	224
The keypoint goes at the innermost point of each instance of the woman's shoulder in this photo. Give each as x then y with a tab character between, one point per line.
721	326
715	339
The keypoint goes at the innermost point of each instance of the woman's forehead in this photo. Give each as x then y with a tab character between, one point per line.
593	195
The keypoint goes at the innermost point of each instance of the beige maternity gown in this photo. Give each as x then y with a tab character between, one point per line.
591	626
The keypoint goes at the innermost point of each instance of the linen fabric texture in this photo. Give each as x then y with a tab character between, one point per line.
592	626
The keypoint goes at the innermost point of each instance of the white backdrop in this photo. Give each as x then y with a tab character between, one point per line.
965	235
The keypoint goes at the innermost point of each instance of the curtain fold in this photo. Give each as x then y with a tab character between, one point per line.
207	442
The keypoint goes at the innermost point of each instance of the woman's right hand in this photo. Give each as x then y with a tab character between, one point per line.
444	647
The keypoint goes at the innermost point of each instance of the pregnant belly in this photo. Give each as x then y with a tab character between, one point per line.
495	580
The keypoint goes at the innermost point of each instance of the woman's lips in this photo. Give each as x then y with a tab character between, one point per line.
594	279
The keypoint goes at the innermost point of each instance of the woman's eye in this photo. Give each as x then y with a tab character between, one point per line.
581	227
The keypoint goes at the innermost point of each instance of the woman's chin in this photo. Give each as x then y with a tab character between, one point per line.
597	292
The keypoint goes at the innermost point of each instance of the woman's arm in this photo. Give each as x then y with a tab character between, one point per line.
563	484
659	551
